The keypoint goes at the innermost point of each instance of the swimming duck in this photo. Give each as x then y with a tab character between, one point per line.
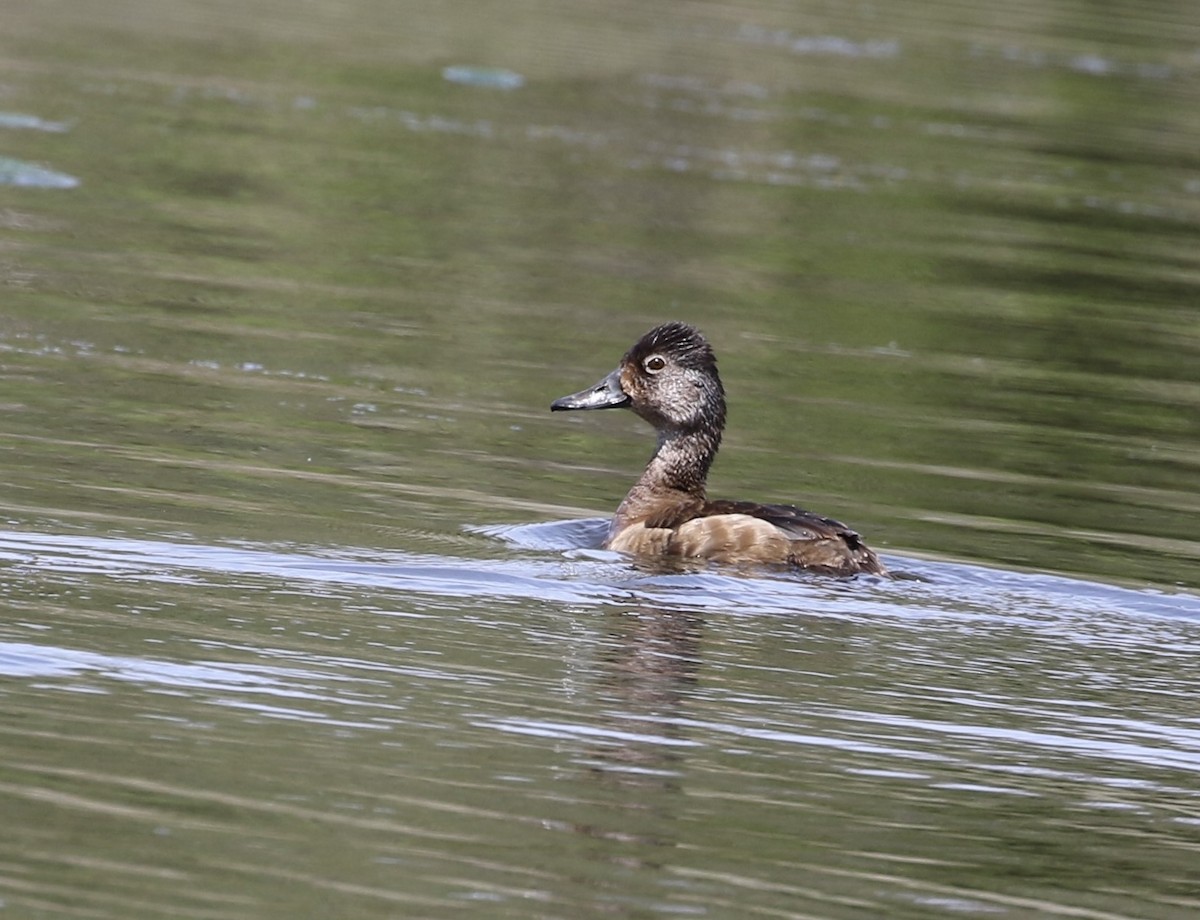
669	378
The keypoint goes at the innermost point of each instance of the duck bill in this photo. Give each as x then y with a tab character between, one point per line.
607	394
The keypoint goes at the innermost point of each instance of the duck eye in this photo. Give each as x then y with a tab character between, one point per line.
655	363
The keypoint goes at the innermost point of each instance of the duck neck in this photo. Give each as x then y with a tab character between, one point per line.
678	470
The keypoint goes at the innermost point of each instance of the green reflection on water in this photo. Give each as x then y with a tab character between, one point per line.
311	293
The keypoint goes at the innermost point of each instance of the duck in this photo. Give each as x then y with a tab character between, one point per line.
669	378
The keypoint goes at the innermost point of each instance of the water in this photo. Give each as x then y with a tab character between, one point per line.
305	614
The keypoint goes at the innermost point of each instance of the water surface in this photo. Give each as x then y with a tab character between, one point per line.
304	611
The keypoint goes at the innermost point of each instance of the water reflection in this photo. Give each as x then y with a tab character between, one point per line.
632	752
294	326
29	175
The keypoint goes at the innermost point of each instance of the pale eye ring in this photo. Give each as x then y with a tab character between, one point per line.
654	364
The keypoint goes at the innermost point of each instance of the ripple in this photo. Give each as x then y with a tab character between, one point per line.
562	567
278	692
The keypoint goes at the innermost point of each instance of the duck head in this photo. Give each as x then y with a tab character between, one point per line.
669	378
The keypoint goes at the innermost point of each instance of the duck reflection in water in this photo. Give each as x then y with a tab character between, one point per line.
646	669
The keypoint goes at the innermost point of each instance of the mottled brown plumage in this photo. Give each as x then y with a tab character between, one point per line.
670	379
